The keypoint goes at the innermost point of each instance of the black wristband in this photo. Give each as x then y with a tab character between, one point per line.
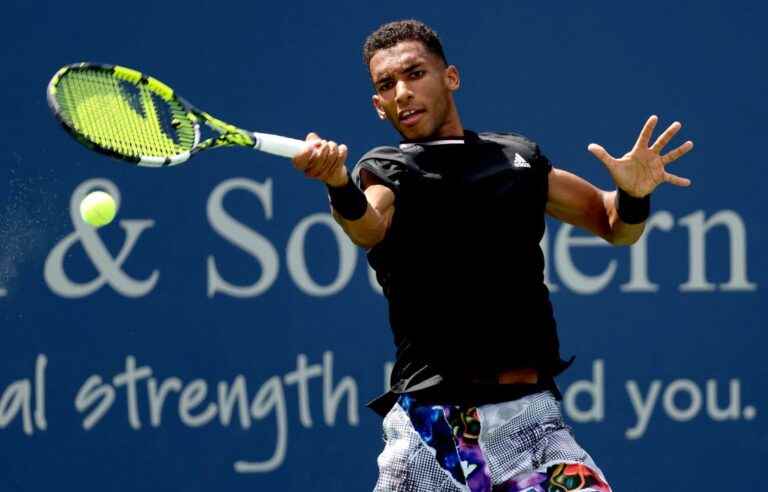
632	210
348	200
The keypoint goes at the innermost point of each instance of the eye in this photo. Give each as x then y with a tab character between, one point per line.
417	74
385	86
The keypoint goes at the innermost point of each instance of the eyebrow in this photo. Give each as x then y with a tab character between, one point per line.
410	68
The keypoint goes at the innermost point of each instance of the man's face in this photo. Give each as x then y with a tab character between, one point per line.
413	91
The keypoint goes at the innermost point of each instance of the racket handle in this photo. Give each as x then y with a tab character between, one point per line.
275	144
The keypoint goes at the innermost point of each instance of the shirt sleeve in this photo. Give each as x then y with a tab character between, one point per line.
543	161
383	163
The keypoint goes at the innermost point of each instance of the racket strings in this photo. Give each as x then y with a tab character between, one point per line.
128	119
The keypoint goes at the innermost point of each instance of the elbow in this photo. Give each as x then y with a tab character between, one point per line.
364	243
624	241
626	236
366	237
368	241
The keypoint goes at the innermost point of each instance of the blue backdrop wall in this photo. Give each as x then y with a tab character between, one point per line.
222	335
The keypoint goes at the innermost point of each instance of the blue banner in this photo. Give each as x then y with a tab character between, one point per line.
224	334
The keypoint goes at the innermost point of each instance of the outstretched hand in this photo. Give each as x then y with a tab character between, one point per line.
643	168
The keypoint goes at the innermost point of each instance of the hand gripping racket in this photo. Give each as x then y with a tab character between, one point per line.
125	114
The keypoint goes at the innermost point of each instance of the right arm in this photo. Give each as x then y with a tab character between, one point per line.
370	229
325	161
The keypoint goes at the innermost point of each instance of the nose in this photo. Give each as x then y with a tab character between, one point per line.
403	93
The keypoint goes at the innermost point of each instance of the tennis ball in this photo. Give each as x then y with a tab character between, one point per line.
98	208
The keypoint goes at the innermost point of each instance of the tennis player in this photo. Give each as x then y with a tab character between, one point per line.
452	221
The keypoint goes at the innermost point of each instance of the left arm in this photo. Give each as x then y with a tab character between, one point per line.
578	202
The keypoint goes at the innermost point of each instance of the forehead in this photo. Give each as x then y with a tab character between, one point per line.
393	60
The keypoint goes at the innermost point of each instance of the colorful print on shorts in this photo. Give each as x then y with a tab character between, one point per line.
453	432
562	477
565	477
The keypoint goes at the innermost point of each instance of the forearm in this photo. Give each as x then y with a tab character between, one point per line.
365	232
579	203
364	216
370	228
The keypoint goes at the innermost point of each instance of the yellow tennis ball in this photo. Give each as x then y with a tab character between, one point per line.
98	208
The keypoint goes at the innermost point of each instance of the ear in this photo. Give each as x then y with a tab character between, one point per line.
377	105
452	78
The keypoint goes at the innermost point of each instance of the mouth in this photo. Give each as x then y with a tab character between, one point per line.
410	117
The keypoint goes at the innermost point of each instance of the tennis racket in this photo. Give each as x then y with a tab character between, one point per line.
125	114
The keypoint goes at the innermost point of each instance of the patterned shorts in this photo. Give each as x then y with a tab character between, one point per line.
517	446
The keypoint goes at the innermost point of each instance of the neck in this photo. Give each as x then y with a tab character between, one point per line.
452	126
448	131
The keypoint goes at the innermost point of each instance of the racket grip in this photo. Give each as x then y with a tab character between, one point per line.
277	145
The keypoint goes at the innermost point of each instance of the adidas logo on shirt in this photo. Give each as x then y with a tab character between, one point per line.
519	161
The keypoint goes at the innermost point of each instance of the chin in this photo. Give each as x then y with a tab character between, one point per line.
414	133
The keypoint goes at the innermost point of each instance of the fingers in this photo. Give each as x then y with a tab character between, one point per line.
599	152
676	180
325	157
665	137
339	169
301	160
333	163
322	159
677	153
646	132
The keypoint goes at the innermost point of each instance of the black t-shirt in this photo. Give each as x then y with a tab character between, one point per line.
461	265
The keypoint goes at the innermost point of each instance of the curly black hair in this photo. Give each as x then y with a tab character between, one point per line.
392	33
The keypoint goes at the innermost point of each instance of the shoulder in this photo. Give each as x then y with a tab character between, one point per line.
386	164
520	150
382	154
514	141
